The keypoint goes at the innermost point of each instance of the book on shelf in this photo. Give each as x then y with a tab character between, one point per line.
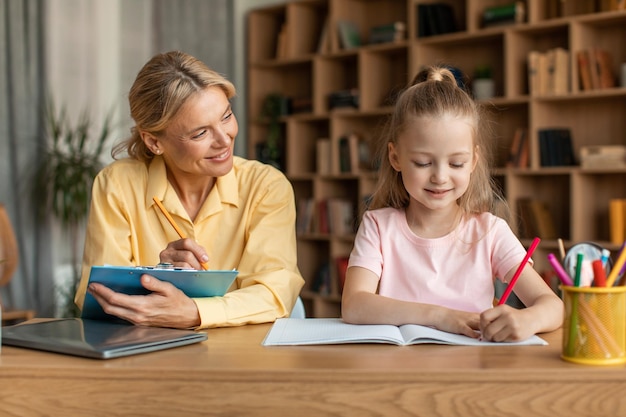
333	215
548	72
340	216
533	72
555	147
304	217
390	32
584	70
349	35
518	156
595	69
604	61
282	42
343	98
321	222
513	12
323	156
435	19
330	331
321	284
354	154
323	44
617	5
536	219
559	71
617	220
344	155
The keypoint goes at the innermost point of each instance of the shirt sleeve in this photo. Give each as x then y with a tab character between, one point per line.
366	252
107	233
269	281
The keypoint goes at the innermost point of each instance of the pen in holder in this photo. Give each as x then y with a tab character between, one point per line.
594	330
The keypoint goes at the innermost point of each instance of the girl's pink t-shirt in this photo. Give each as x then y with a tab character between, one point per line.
455	271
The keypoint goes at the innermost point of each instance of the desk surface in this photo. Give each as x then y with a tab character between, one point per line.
231	374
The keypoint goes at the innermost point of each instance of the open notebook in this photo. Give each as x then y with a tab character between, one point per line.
328	331
96	338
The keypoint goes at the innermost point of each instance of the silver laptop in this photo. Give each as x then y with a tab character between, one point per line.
96	338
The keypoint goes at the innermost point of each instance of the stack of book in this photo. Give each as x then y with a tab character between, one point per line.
555	147
548	72
513	12
344	98
391	32
536	219
329	216
354	154
435	19
518	156
595	69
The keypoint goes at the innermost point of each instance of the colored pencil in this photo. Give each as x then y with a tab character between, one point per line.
560	271
617	267
167	215
519	270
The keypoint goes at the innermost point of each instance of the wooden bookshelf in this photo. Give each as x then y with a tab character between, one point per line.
577	198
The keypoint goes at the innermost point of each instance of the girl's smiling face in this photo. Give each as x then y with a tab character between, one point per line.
436	156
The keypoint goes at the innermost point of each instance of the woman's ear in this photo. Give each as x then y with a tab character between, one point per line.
393	156
151	142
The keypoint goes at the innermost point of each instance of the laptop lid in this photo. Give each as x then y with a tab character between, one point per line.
96	338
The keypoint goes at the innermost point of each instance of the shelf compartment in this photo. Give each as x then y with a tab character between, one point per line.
504	119
605	31
301	145
552	187
573	112
366	14
466	53
590	204
384	73
520	42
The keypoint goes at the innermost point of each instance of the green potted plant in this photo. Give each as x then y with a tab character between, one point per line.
483	85
271	151
65	175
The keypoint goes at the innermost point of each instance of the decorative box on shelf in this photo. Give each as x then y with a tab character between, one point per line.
603	156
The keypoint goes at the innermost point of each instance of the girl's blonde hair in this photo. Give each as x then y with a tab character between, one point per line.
161	88
434	93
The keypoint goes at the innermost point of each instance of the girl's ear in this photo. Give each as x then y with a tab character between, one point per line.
393	156
151	142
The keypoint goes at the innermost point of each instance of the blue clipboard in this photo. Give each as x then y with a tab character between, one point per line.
126	279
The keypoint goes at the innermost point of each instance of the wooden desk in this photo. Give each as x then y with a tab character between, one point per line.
231	374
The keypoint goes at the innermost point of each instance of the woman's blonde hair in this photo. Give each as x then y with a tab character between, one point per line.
161	88
434	92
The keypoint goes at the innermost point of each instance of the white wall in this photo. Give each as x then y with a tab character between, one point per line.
93	52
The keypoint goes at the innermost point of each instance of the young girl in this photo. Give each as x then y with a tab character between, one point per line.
429	248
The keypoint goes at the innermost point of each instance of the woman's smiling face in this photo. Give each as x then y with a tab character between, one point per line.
201	137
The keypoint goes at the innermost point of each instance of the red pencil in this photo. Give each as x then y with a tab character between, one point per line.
509	288
599	276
